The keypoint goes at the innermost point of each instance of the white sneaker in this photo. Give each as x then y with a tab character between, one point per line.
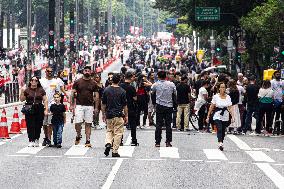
36	143
31	144
254	134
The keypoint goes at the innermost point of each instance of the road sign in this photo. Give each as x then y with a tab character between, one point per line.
207	13
33	34
171	21
242	47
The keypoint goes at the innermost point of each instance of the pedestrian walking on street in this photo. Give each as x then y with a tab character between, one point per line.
234	93
58	119
115	114
277	85
85	91
165	100
201	104
35	108
183	99
50	86
266	95
221	109
251	96
131	104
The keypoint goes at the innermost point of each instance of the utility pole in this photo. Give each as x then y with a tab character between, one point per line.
51	31
72	37
81	24
134	16
109	18
90	25
1	25
13	25
151	25
158	20
212	44
123	19
8	21
77	23
230	49
61	34
143	17
29	22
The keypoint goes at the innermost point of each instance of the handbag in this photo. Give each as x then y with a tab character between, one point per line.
28	109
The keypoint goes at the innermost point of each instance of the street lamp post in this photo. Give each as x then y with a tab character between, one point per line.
110	18
143	18
29	18
1	26
123	19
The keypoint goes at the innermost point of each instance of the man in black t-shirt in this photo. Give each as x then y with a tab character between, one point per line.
131	104
251	97
114	109
183	97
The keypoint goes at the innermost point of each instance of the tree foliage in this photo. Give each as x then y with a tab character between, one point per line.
40	13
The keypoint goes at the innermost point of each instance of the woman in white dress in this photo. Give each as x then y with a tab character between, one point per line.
222	106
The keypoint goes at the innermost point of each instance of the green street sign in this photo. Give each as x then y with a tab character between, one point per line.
207	13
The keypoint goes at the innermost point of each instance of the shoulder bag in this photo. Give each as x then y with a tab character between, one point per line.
28	109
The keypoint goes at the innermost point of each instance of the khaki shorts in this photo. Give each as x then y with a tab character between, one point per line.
84	113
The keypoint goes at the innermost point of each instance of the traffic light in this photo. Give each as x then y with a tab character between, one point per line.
218	49
113	21
106	22
97	40
238	57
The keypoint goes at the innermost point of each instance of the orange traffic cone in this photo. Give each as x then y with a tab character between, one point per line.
23	122
15	126
3	126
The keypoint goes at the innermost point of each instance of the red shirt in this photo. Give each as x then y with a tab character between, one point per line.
2	82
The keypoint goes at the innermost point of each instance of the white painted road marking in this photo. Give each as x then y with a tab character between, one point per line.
260	156
241	144
191	160
272	174
214	154
169	152
31	150
151	159
20	155
48	156
112	174
77	150
116	166
1	143
126	150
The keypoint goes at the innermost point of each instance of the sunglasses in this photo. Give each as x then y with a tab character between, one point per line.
36	80
49	71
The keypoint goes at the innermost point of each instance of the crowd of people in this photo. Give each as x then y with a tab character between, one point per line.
171	89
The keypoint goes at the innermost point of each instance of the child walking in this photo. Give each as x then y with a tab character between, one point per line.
58	119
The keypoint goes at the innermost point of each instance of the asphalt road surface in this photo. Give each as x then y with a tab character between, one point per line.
193	162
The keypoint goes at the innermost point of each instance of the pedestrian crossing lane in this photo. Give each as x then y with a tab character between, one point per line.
166	152
214	154
31	150
77	150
